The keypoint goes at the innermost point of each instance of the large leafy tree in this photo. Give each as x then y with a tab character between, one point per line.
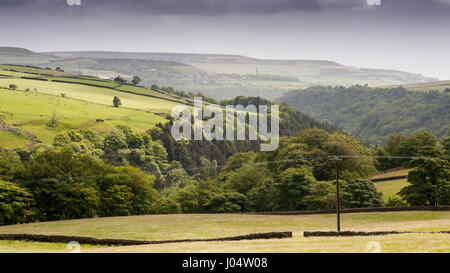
430	182
322	196
117	200
60	199
63	184
207	196
361	193
294	186
10	165
16	204
140	184
246	177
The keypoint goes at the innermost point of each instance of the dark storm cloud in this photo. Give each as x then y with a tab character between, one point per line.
206	7
13	3
222	7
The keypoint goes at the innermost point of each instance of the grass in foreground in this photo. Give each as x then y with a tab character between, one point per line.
391	243
165	227
37	247
183	226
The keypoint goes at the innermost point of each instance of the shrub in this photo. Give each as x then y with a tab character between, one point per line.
395	201
53	122
166	206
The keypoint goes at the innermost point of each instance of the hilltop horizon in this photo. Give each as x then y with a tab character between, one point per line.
59	53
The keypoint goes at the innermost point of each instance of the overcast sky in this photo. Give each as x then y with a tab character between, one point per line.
408	35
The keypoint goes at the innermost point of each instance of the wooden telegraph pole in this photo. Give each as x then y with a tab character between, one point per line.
338	205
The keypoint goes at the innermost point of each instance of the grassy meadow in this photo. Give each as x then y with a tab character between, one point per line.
91	94
26	111
391	187
30	112
165	227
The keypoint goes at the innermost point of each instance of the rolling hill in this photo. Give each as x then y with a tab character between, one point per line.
14	55
215	75
441	86
30	97
228	76
375	113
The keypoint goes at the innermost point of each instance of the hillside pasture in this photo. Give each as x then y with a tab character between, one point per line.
30	112
91	94
17	70
391	187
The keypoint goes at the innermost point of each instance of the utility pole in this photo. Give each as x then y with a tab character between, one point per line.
338	205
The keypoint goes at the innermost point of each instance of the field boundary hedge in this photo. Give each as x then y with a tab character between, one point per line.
392	170
356	210
126	242
364	233
389	178
118	90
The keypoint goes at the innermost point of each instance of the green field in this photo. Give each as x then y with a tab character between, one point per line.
91	94
30	112
437	85
26	111
165	227
391	187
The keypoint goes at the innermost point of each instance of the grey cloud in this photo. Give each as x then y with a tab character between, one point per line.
221	7
13	3
210	7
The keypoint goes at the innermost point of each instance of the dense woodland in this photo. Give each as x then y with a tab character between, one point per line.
121	172
373	114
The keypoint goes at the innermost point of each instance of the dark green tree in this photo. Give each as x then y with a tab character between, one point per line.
322	196
136	80
117	201
16	204
117	102
360	193
430	182
10	165
294	186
